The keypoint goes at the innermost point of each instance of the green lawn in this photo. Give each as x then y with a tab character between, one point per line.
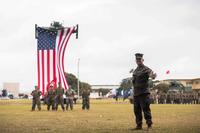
105	116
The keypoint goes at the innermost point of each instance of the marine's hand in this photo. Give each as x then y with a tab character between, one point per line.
153	75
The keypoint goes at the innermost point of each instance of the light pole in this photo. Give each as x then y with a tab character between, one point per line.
78	77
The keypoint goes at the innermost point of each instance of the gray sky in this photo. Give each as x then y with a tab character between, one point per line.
111	31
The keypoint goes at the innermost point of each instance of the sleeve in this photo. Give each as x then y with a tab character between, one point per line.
133	77
149	71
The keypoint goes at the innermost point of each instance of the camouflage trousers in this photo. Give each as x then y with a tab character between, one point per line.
69	102
50	103
59	100
86	103
142	104
36	101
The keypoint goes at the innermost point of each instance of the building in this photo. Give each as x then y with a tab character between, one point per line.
108	87
194	84
12	88
99	91
94	95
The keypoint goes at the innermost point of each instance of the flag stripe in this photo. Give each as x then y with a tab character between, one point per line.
38	65
70	32
59	57
51	66
62	55
43	72
60	39
54	66
48	67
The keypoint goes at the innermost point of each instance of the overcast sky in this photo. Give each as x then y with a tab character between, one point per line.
167	32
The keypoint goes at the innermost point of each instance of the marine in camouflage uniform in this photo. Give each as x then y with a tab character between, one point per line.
45	98
59	97
141	92
69	99
51	98
86	100
184	98
36	99
178	97
196	98
171	94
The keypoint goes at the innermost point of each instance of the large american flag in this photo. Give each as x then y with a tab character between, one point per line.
51	46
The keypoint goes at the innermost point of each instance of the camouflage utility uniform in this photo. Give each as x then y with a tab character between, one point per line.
86	100
36	99
50	99
59	98
69	99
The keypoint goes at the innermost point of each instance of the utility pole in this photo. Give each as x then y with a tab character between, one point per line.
78	86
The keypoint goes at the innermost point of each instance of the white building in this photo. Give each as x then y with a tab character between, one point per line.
95	88
12	88
109	87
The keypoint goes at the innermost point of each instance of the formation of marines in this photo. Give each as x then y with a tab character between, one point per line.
54	97
175	98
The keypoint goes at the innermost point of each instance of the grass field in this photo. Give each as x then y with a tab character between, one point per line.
105	116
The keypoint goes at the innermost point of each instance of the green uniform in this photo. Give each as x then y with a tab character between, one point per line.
50	99
36	99
86	100
69	99
141	93
59	98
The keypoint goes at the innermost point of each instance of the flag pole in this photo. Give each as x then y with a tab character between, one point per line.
78	86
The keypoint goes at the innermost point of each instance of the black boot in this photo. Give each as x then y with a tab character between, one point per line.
149	126
138	127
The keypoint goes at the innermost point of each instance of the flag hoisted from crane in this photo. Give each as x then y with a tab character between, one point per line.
51	46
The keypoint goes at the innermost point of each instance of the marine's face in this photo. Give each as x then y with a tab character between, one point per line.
139	61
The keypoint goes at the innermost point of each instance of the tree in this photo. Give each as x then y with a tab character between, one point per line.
174	85
126	83
103	91
4	93
84	86
162	87
72	81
